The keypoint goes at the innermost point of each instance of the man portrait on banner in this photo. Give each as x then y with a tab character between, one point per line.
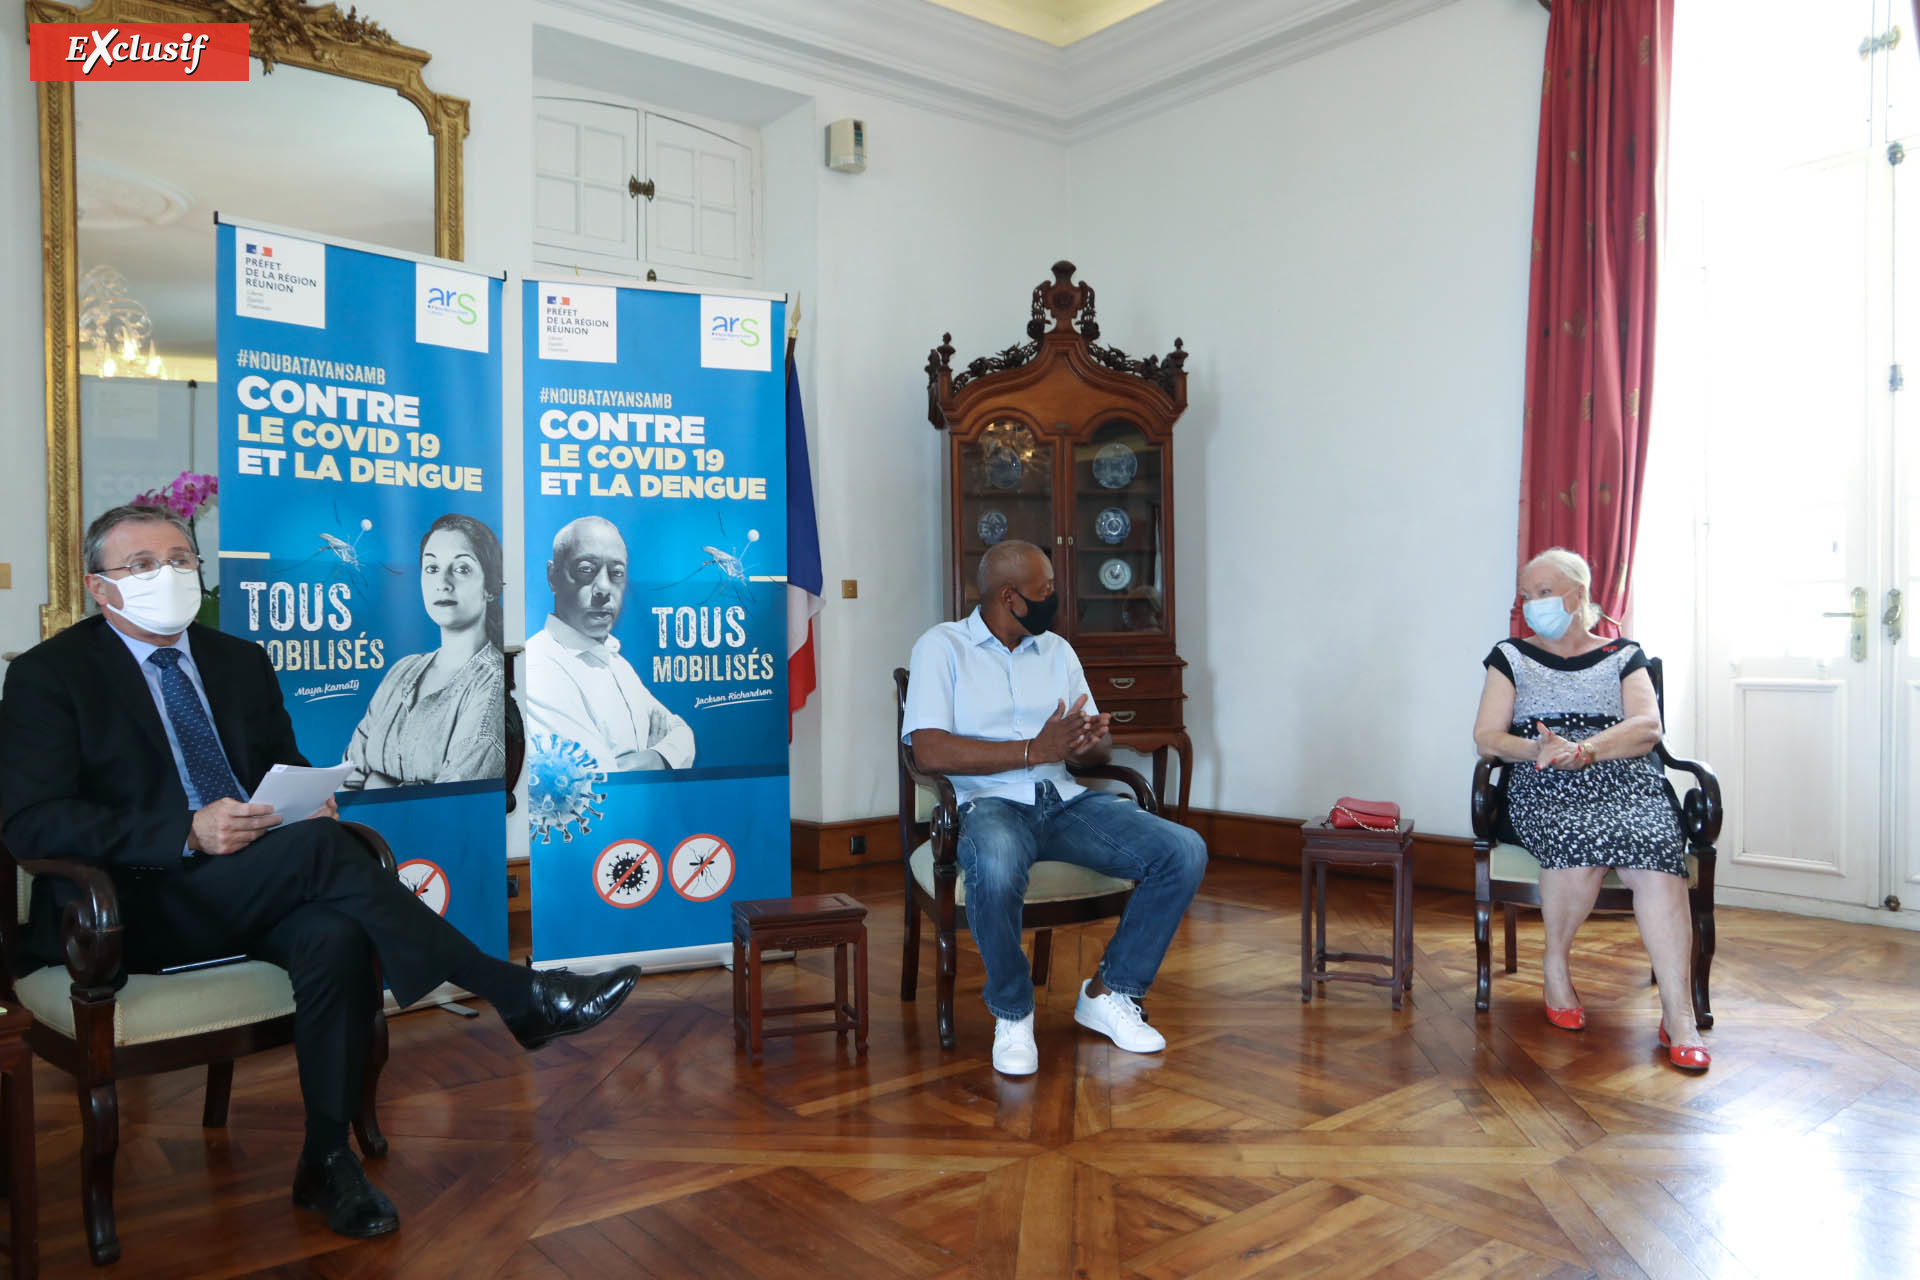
579	687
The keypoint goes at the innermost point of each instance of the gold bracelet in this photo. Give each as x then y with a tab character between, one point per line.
1026	755
1591	754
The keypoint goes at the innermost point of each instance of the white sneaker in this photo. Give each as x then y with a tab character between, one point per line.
1014	1053
1117	1017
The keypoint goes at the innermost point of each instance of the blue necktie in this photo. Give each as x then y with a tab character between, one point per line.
206	763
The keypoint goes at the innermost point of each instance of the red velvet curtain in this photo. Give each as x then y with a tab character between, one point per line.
1599	191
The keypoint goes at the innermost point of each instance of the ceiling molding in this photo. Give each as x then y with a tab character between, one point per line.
1181	51
925	55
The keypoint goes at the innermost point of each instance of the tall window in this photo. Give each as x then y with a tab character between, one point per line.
1783	505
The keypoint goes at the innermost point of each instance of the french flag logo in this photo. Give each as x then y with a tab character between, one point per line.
553	299
260	251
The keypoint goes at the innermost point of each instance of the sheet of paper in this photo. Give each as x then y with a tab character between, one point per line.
295	791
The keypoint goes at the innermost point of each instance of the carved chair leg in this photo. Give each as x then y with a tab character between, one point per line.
219	1089
99	1143
1513	918
1042	956
944	976
910	952
366	1125
1702	966
1483	955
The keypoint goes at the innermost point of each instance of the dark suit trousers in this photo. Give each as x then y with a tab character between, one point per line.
310	898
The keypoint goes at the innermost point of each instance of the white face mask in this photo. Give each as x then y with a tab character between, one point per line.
1547	616
162	605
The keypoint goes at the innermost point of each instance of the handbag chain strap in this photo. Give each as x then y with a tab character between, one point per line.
1361	822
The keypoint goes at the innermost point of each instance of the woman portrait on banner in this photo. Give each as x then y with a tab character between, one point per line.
1577	716
439	716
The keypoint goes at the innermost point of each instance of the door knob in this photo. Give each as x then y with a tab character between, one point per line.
1858	613
1896	614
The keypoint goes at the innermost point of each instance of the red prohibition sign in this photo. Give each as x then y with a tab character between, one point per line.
427	881
702	867
627	873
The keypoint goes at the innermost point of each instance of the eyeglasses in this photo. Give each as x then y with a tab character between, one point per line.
146	568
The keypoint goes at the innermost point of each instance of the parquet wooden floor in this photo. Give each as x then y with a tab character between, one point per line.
1272	1139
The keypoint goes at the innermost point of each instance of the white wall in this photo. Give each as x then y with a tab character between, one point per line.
1344	246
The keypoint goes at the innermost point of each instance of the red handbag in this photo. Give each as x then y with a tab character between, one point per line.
1365	815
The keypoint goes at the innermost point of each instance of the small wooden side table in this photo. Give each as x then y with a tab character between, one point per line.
799	924
16	1108
1327	845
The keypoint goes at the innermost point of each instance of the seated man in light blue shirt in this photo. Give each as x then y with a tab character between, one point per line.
1001	705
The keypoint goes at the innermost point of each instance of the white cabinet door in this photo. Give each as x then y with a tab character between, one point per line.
583	155
699	216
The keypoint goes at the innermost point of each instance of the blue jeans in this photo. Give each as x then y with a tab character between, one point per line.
1000	840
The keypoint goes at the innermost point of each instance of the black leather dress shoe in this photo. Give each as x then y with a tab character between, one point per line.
564	1002
337	1186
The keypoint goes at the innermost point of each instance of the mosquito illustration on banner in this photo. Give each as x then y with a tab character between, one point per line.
347	551
732	566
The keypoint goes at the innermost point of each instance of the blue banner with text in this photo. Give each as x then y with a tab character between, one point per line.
655	698
360	448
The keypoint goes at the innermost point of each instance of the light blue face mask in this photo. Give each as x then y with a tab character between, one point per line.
1547	616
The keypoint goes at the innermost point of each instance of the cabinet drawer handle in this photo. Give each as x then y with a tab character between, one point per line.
1120	682
1125	717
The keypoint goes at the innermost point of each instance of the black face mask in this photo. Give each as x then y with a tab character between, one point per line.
1039	614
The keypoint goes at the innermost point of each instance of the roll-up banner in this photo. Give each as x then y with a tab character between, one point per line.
360	450
655	694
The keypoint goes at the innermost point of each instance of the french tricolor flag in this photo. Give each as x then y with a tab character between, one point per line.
805	579
260	251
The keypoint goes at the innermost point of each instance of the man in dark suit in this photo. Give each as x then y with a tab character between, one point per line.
132	740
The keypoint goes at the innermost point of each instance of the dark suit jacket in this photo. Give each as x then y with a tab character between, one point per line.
85	770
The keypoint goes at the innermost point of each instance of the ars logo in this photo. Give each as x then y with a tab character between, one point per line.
736	333
450	308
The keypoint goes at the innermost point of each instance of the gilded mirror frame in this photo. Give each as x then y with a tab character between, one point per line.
281	32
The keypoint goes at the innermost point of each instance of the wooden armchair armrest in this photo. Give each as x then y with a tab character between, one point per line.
376	843
90	930
1489	784
1700	811
945	822
1142	789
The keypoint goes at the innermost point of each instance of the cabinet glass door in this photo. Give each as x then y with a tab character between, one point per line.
1119	532
1006	491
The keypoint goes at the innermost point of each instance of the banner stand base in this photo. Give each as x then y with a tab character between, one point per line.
667	959
440	997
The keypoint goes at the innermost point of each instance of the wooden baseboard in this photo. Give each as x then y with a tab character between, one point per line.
1439	862
829	846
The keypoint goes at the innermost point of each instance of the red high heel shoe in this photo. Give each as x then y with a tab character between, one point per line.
1687	1057
1574	1019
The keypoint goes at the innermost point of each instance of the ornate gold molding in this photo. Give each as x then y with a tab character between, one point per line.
280	32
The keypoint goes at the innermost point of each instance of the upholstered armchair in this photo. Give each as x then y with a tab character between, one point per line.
97	1028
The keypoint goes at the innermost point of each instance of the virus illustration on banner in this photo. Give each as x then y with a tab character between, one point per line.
561	777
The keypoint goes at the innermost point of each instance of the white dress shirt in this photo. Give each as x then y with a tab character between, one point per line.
964	681
582	690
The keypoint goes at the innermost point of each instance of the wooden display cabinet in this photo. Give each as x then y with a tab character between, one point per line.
1067	444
